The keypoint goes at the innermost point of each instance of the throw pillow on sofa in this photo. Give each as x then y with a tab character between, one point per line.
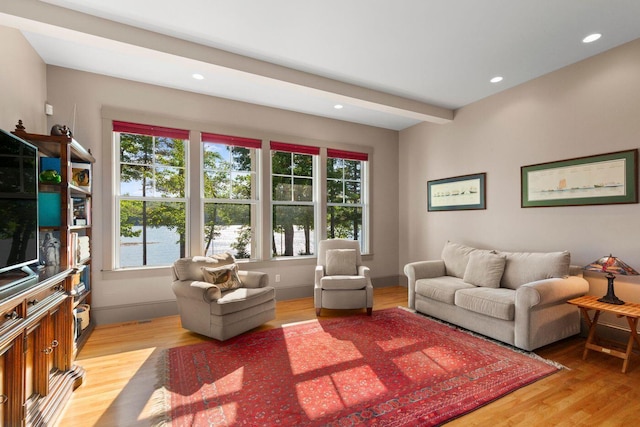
225	277
484	269
526	267
341	262
456	258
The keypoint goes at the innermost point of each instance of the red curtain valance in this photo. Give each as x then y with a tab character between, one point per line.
231	140
151	130
294	148
349	155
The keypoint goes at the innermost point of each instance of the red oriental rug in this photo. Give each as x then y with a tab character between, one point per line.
394	368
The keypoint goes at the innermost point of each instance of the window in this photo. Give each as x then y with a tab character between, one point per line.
230	193
166	206
152	194
346	195
293	199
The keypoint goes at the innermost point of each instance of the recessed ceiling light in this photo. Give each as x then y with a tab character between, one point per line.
496	79
591	38
197	76
338	107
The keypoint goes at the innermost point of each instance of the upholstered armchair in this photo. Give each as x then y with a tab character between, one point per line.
341	281
217	300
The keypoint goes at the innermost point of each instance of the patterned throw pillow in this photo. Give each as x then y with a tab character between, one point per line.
225	277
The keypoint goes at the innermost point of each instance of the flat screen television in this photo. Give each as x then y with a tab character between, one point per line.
18	208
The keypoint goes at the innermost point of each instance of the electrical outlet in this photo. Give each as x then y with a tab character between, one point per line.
277	278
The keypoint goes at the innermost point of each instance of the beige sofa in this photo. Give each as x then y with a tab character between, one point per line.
515	297
208	308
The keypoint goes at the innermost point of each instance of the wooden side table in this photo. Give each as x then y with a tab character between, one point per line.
629	310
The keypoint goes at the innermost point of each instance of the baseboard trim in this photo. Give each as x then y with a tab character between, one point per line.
385	282
294	292
133	312
150	310
607	331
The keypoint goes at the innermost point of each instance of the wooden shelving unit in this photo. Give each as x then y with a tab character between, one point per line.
39	334
70	152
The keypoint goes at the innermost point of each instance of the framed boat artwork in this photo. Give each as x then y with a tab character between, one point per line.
593	180
465	192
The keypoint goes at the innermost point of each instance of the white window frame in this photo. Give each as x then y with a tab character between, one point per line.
315	203
118	197
254	202
363	238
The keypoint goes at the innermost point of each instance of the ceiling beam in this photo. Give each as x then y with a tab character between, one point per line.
32	14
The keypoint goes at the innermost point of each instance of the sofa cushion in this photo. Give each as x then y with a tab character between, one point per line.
242	299
341	262
499	303
190	268
441	289
456	257
343	282
525	267
225	277
485	269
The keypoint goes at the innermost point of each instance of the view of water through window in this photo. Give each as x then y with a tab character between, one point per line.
164	248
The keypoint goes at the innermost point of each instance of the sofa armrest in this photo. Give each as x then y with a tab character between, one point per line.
422	270
550	291
253	279
364	271
319	274
195	290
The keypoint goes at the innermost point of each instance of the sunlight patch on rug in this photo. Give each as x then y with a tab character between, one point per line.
391	368
321	352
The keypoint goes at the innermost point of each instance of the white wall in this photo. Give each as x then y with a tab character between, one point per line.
588	108
23	84
123	295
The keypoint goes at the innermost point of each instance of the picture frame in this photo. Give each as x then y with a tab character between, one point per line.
466	192
602	179
81	175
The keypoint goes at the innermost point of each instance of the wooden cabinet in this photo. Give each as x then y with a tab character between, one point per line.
36	350
39	333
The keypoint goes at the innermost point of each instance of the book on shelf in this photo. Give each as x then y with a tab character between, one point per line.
73	246
84	251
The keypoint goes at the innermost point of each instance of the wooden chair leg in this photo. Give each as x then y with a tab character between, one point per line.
369	311
318	311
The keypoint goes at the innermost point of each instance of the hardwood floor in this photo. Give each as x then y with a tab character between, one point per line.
120	362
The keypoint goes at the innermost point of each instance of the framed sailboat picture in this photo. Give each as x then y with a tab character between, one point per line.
594	180
458	193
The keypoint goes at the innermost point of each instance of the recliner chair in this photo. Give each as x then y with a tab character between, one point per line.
341	281
210	309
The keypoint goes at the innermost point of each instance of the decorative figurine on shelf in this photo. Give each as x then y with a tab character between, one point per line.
50	177
61	130
51	250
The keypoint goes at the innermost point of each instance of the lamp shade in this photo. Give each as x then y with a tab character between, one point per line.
612	265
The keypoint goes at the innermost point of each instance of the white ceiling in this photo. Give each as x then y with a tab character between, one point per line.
419	58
